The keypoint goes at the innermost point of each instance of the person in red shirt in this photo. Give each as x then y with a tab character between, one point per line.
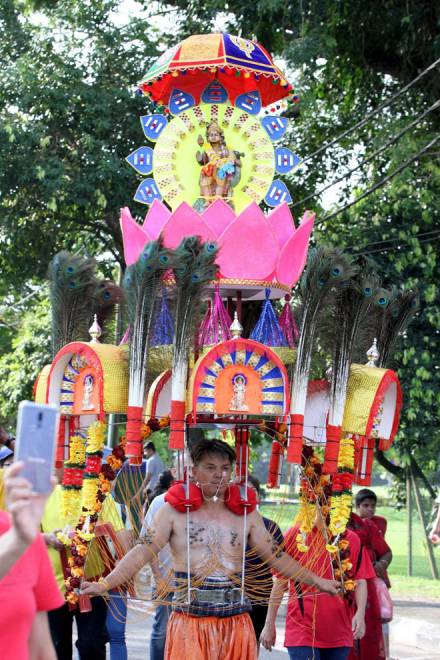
371	530
366	503
28	589
317	626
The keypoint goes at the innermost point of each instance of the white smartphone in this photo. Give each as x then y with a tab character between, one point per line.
37	429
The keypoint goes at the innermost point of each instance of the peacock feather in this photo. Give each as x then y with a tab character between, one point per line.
352	305
142	284
195	268
396	318
327	270
72	283
106	296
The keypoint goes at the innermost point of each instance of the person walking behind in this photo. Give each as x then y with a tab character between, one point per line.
154	467
162	569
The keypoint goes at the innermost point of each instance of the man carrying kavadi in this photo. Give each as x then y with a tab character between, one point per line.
207	527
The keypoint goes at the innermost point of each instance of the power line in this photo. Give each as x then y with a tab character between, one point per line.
382	182
367	118
393	248
389	240
393	140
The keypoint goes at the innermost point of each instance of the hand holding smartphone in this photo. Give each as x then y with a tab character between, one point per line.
37	428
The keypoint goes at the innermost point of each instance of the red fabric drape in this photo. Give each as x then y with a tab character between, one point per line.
275	463
177	425
133	449
296	430
331	451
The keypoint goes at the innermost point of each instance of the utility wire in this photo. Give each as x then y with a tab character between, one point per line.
393	248
389	240
380	183
373	155
367	118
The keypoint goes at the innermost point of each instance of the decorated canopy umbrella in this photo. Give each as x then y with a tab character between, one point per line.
233	65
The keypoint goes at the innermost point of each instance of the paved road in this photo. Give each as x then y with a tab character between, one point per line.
140	621
138	632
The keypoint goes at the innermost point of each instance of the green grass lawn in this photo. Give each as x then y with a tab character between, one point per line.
421	585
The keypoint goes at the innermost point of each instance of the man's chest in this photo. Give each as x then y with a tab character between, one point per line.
202	532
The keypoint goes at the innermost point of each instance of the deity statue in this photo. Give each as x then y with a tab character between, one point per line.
238	402
87	403
221	167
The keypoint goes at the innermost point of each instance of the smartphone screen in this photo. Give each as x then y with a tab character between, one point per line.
37	428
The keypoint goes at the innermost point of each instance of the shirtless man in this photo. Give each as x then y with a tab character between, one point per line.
213	622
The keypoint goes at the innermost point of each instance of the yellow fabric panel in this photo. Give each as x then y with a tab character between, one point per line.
40	392
114	362
198	48
363	383
52	520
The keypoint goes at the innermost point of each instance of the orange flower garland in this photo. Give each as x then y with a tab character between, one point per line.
315	492
96	486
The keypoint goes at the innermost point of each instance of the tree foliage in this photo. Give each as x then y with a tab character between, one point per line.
69	117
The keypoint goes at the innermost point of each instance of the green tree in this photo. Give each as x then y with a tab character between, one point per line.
68	119
30	351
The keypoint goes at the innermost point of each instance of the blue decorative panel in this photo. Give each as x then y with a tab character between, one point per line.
249	102
141	160
214	93
275	127
277	194
180	101
153	126
147	192
285	160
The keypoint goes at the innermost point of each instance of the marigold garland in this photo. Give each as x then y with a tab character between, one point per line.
316	491
95	485
341	500
72	480
340	510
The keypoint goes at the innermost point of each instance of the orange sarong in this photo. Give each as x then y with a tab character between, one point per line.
210	637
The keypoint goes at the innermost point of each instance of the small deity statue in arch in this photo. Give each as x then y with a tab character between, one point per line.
87	403
221	167
238	401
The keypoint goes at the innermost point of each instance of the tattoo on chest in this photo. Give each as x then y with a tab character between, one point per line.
147	537
234	538
196	533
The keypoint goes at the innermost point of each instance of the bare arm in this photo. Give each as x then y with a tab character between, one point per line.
435	532
358	622
269	632
381	565
151	541
40	641
267	548
125	540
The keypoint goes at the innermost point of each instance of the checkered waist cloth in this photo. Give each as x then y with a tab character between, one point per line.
216	596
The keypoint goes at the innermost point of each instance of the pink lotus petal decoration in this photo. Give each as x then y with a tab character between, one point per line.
134	237
157	218
253	246
184	222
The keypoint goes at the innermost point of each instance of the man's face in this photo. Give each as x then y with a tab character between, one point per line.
367	508
213	473
148	453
